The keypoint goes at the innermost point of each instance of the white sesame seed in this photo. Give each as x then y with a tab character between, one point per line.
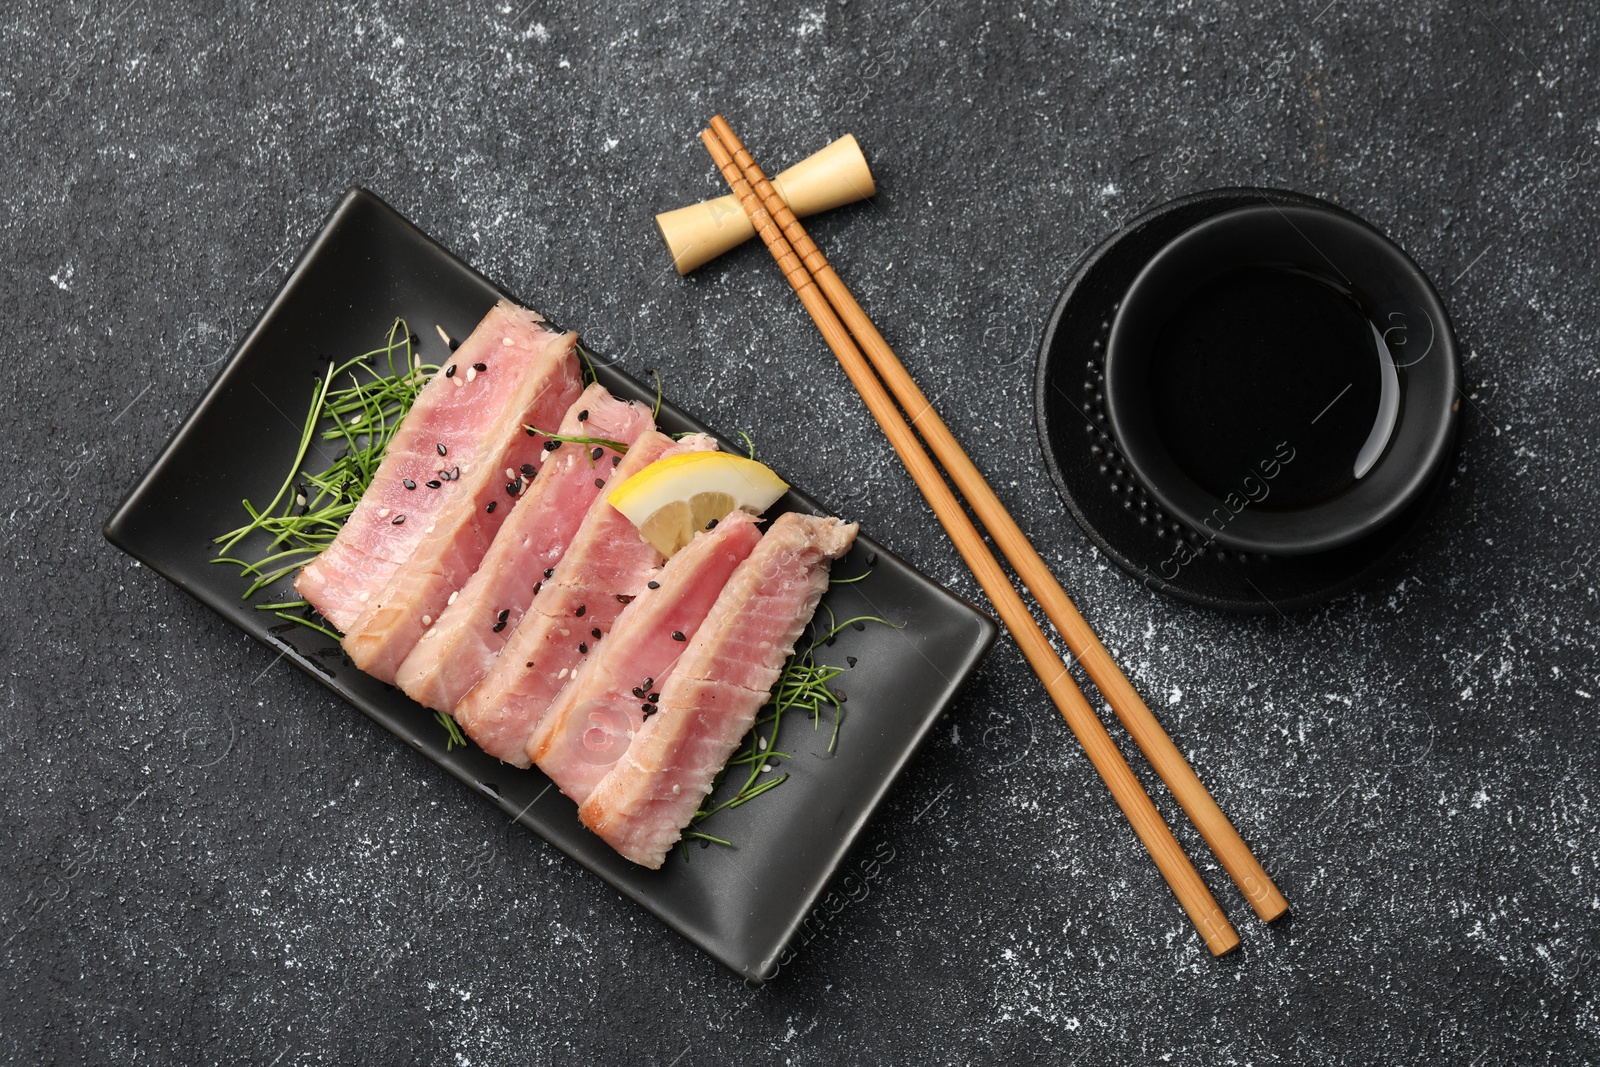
507	341
562	675
452	599
458	381
427	620
365	596
472	372
442	335
429	529
383	513
761	743
676	789
765	767
511	475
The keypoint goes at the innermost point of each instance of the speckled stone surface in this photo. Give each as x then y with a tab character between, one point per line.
206	857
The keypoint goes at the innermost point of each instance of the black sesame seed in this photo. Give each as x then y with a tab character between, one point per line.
652	585
616	461
839	694
677	635
397	520
648	709
648	682
705	842
548	571
851	660
654	698
596	452
599	483
480	367
712	525
581	609
624	598
872	557
432	483
596	633
513	488
408	483
491	506
551	446
499	626
442	450
505	613
858	625
583	647
536	587
455	474
583	416
528	664
829	642
638	692
530	431
454	344
450	371
529	469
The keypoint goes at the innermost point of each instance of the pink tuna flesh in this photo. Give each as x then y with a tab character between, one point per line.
710	702
390	522
607	559
591	722
477	495
457	652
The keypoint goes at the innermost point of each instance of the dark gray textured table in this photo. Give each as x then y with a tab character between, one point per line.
208	858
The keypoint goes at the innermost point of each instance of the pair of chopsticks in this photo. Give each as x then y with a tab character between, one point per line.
847	331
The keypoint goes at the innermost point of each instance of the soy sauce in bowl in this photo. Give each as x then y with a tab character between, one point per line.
1264	363
1252	385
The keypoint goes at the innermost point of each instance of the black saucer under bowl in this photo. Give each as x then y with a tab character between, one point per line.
1102	494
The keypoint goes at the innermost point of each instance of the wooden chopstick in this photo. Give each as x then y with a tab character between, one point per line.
1191	794
1141	812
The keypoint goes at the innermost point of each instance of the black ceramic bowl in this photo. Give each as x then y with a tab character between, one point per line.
1413	380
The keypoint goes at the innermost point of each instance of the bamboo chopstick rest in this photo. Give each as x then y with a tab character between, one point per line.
831	178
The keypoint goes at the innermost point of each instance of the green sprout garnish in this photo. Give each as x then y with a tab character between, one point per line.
358	403
579	439
310	508
452	729
803	687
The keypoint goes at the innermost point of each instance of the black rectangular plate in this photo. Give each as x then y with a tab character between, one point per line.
740	904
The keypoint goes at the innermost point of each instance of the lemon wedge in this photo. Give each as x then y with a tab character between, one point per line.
675	498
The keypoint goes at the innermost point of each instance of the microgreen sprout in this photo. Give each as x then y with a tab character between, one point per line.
356	406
